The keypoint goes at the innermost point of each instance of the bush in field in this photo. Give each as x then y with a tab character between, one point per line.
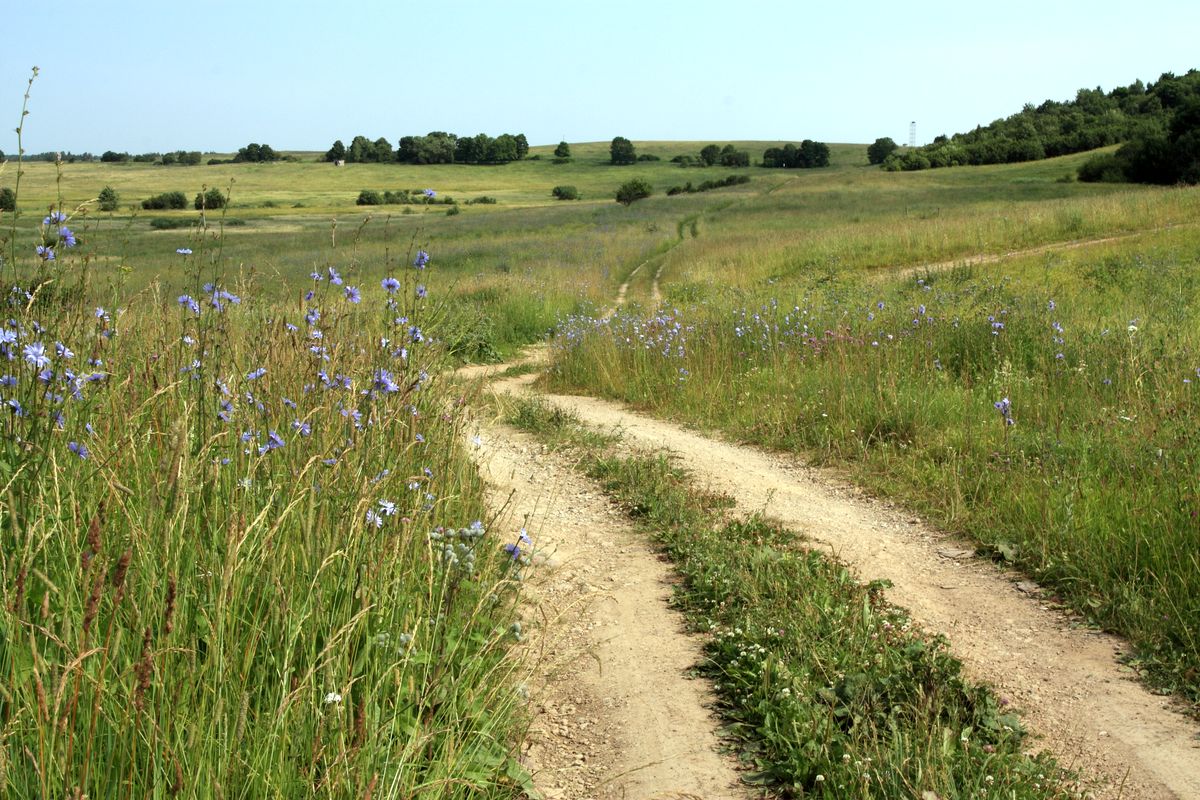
166	201
369	197
648	157
112	157
212	199
563	150
108	199
622	151
880	149
565	193
633	190
709	154
8	199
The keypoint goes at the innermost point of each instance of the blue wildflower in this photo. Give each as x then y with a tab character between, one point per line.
390	284
255	374
79	449
47	253
422	260
35	354
183	251
430	193
190	302
334	277
353	294
421	291
67	236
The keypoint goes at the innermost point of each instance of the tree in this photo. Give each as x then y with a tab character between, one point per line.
108	199
622	152
212	199
710	154
111	157
337	152
522	146
881	149
383	151
633	190
360	150
8	199
406	150
813	154
563	150
734	158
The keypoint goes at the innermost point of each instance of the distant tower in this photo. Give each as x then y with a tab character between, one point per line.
912	133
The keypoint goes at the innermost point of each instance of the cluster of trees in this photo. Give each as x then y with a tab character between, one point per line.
256	153
1093	119
808	155
184	158
436	147
706	186
713	154
1155	156
51	155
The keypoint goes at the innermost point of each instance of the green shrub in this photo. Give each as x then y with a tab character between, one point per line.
171	223
633	190
212	199
369	197
1103	168
108	199
166	201
648	157
8	199
482	200
453	211
563	150
565	193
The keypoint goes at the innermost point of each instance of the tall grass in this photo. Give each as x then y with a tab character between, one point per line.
244	551
1047	407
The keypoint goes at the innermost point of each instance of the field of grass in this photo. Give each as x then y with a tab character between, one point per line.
193	585
1046	406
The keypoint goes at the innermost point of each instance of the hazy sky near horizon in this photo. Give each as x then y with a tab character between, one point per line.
153	76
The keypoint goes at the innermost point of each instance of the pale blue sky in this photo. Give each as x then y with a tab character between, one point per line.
143	76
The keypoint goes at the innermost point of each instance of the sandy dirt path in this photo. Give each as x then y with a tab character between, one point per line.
615	715
1077	699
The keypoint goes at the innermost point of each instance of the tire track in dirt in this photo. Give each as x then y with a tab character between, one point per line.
614	715
1076	698
993	258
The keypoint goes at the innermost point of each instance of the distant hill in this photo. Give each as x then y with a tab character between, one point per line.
1093	119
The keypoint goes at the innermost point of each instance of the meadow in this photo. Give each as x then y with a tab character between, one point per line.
245	545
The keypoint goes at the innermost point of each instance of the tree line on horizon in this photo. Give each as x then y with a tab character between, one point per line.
435	147
1158	124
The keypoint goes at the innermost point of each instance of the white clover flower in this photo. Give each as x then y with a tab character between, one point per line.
332	697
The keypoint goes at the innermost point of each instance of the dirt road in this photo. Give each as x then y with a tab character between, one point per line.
1078	701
